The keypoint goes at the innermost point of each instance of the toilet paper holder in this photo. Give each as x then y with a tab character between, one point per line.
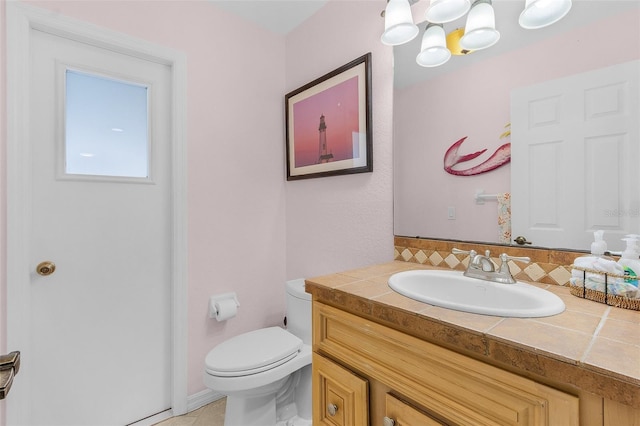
213	312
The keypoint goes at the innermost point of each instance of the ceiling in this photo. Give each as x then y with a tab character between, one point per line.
279	16
282	16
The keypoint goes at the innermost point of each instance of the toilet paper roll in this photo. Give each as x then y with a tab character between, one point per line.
225	309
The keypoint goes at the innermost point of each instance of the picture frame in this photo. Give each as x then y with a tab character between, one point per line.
328	124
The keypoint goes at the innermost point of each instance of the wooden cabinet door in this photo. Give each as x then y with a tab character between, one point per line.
399	413
616	414
340	398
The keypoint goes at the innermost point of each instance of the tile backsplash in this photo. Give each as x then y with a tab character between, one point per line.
547	266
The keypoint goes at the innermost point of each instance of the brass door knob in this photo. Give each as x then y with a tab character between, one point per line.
46	268
10	361
521	240
9	366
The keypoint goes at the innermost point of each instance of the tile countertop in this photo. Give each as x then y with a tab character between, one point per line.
590	346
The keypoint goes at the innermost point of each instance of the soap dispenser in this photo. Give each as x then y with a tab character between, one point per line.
598	264
598	248
599	245
630	260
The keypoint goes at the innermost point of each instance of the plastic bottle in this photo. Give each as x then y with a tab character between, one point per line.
598	247
630	260
596	261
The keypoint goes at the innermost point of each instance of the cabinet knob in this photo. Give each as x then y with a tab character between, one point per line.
388	421
332	409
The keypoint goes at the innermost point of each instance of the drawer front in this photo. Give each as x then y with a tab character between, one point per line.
399	413
340	398
455	387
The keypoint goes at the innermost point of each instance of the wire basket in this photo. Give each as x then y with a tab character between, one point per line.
603	296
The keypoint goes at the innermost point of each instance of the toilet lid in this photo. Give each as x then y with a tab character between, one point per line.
252	352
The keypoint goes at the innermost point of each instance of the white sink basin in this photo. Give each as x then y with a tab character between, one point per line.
451	289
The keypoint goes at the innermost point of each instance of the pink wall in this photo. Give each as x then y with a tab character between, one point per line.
475	102
342	222
235	157
249	231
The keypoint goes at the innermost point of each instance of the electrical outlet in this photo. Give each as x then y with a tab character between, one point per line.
451	213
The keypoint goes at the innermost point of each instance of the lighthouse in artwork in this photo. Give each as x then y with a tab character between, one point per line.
323	155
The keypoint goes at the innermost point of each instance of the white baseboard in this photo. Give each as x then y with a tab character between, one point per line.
154	419
202	398
194	402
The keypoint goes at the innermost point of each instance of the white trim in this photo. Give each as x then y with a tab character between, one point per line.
180	247
194	402
202	398
21	19
157	418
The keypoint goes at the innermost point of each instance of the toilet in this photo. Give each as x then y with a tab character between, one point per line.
266	373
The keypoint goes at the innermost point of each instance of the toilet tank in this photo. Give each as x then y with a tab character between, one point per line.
299	310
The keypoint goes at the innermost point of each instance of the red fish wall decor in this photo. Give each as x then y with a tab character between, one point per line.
500	157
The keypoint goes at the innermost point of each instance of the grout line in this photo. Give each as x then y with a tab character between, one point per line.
502	319
596	333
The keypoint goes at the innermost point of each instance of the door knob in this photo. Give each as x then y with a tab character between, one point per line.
46	268
332	409
387	421
521	240
9	366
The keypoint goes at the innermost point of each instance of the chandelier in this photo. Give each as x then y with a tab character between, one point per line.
479	32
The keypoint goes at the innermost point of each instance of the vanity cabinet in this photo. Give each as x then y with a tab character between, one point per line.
399	413
340	397
401	380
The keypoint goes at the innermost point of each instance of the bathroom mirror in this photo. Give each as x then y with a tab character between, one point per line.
470	97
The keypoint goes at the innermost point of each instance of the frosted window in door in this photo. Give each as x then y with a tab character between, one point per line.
106	129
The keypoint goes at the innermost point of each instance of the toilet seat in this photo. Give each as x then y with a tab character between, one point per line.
252	352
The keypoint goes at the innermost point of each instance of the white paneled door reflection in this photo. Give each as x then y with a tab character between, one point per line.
575	156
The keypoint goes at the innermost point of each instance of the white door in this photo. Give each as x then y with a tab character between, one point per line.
574	163
100	336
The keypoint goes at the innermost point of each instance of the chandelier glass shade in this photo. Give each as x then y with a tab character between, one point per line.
441	11
433	51
479	32
541	13
398	23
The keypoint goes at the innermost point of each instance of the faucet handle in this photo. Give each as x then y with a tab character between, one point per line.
504	257
504	270
471	253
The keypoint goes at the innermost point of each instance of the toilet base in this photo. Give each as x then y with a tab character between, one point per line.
303	394
256	411
295	421
281	404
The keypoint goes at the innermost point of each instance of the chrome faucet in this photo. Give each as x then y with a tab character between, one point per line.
483	268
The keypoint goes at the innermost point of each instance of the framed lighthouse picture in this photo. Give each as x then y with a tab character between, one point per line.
328	124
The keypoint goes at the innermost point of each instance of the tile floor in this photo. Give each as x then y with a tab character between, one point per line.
209	415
